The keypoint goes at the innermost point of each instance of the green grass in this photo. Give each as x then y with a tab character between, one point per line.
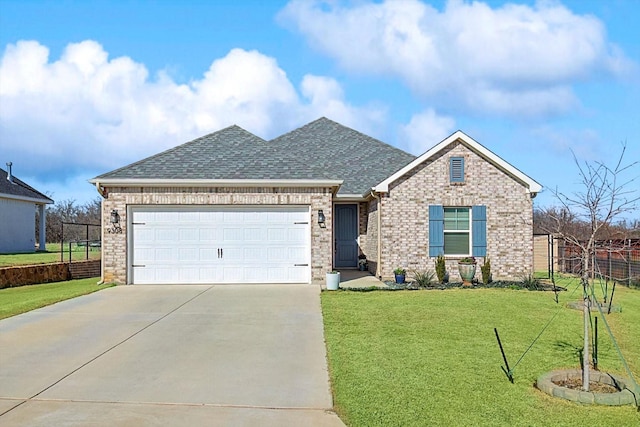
418	358
26	298
52	254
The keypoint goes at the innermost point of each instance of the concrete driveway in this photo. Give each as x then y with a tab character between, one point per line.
169	355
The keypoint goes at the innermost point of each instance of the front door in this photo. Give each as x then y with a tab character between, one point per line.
346	236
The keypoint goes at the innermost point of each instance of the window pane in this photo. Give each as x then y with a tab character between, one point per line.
463	219
456	218
456	244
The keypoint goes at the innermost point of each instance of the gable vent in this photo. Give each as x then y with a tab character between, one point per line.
456	169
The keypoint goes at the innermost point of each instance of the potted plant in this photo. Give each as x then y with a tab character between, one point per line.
333	280
467	270
400	274
362	262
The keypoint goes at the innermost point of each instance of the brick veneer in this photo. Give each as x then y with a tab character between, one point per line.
405	215
114	246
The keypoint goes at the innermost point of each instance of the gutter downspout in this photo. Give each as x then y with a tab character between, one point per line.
379	251
100	189
101	192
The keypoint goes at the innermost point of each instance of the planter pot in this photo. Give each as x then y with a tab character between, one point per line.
362	267
400	278
467	272
333	281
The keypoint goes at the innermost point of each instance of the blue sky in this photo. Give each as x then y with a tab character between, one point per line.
89	86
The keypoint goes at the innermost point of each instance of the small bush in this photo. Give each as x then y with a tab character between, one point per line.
530	282
424	278
486	271
441	269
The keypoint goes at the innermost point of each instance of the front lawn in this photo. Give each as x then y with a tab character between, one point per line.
26	298
52	254
430	358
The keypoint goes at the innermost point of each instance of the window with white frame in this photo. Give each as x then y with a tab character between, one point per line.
457	231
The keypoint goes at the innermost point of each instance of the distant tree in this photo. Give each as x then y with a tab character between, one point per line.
69	211
589	215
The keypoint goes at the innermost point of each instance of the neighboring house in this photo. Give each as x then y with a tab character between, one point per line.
18	203
230	207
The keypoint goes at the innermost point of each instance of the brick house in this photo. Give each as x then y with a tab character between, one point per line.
230	207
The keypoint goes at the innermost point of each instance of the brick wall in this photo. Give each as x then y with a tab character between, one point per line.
85	269
405	215
369	233
114	246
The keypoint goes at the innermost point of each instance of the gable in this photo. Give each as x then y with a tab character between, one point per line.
470	146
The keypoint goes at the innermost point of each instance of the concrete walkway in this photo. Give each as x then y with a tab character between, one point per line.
169	356
355	279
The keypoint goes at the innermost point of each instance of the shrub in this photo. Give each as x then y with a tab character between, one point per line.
486	271
400	271
441	269
531	283
424	278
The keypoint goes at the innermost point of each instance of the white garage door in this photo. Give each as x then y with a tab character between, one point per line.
220	245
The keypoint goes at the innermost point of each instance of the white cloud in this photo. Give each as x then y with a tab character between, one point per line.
513	59
84	113
326	98
425	130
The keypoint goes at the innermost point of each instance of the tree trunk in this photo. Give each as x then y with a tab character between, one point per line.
585	314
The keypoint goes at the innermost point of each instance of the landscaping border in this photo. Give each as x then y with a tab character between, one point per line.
546	383
11	277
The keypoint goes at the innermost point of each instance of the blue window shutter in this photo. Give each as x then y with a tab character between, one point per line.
479	230
436	230
456	169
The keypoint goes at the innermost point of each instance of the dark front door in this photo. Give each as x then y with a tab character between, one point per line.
346	236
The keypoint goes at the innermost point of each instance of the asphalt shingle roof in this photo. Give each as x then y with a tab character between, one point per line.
320	150
19	188
343	153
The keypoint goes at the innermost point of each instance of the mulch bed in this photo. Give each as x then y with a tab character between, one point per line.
504	284
594	387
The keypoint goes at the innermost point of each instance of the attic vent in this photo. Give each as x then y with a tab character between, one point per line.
456	169
9	175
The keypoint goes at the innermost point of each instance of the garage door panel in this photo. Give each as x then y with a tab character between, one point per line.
295	235
232	234
142	235
188	254
254	234
208	235
166	217
277	254
220	245
207	254
276	234
190	234
166	234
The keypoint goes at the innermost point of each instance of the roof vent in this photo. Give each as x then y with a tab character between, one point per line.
9	175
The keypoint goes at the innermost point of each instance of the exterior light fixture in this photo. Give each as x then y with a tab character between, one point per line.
321	219
115	223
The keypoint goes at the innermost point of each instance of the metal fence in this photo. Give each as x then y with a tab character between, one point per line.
78	239
617	260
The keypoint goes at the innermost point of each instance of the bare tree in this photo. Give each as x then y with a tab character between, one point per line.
70	211
587	216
